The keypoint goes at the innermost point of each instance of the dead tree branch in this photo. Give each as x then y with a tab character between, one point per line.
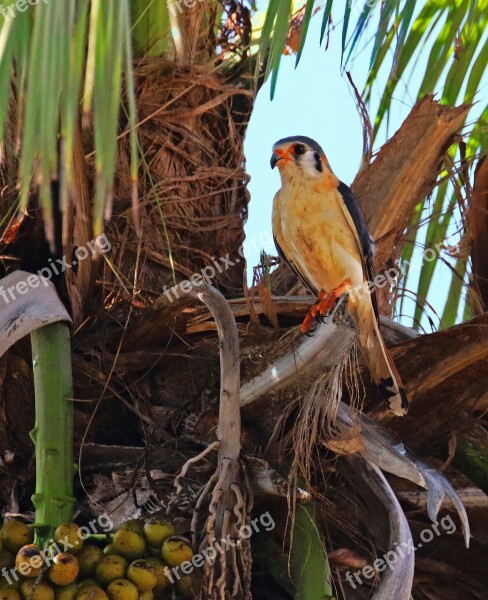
228	575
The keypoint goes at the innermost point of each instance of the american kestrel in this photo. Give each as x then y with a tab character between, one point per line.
320	232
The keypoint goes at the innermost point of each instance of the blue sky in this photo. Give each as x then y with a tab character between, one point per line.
316	100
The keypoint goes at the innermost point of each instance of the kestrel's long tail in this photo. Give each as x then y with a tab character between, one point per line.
378	358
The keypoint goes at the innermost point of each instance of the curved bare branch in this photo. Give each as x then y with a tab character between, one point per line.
398	577
381	449
228	506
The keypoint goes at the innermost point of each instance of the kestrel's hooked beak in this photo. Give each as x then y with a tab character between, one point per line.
278	155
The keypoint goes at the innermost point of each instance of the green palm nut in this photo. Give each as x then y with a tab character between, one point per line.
109	568
88	559
142	574
157	530
129	543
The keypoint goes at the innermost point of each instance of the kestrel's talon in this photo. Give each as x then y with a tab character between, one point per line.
313	328
312	314
324	305
307	322
328	302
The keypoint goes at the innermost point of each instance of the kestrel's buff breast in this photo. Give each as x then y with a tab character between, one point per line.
316	233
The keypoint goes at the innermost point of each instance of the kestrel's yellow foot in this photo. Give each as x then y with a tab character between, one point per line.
327	303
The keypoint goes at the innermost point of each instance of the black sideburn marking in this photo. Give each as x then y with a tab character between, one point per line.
318	163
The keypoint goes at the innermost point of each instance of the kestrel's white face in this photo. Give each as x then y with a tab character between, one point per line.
295	157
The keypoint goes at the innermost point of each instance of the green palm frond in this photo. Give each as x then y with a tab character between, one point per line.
454	35
304	29
458	52
151	27
44	48
455	294
273	38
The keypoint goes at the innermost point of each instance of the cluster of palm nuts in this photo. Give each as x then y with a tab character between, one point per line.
139	562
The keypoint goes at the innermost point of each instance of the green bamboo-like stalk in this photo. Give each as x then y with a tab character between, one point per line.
53	431
310	569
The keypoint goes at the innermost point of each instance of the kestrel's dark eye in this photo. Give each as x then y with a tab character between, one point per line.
299	149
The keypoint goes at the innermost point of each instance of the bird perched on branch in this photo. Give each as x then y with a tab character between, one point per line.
320	232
